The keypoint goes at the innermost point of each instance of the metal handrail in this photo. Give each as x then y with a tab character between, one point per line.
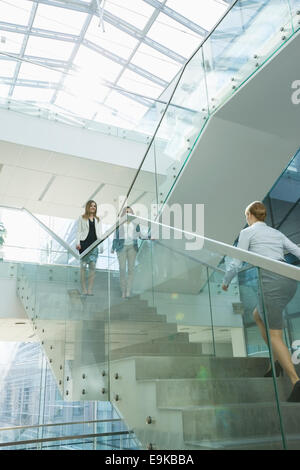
214	246
32	426
221	248
65	438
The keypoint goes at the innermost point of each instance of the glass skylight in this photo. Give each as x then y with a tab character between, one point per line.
135	12
15	11
153	61
7	68
204	13
39	73
91	63
58	19
89	57
174	35
45	47
38	95
76	105
113	39
136	84
10	42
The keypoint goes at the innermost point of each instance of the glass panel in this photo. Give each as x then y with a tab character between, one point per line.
191	349
243	41
153	61
205	14
113	39
19	11
183	122
295	7
146	185
71	326
174	35
283	200
180	127
137	14
59	19
111	441
33	243
45	47
277	294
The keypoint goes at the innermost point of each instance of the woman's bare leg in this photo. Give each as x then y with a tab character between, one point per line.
260	325
283	355
280	351
91	278
82	278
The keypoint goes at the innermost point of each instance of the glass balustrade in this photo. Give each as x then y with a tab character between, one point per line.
35	243
241	43
187	361
97	435
177	352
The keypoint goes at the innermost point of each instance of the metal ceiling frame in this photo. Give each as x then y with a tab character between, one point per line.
66	67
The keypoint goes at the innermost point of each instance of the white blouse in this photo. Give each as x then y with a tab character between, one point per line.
263	240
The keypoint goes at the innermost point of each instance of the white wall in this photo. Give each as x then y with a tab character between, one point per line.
57	137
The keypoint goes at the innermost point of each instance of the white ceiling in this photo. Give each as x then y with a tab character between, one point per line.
56	184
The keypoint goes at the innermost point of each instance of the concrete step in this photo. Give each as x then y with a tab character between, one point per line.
156	348
127	317
131	308
238	421
272	442
196	392
204	367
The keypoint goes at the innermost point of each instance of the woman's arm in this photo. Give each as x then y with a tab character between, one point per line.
235	264
291	247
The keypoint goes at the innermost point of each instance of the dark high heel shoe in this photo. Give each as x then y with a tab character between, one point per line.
295	395
278	370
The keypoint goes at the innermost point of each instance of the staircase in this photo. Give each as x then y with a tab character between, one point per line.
190	402
171	394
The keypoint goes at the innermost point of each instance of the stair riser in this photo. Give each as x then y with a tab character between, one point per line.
201	367
215	392
226	422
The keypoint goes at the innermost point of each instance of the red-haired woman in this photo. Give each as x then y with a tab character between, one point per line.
88	231
278	291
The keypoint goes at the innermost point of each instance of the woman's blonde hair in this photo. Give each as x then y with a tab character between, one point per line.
258	209
87	210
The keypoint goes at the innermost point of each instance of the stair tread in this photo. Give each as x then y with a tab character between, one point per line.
218	444
262	404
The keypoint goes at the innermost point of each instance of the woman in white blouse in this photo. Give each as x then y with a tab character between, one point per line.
88	231
277	290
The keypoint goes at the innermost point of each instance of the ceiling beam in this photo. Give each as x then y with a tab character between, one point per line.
80	41
24	45
116	22
128	64
119	60
161	7
34	60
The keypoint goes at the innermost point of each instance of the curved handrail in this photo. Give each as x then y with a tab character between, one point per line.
220	248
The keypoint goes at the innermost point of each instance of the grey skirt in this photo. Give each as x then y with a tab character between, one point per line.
278	291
